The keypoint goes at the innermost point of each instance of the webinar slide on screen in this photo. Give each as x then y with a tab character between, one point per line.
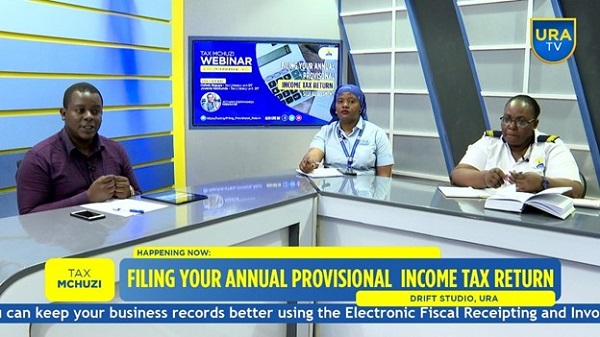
261	82
305	285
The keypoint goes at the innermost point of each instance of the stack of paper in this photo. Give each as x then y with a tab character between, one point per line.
322	172
124	207
587	203
464	192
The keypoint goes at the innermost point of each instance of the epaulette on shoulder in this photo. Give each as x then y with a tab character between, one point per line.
547	138
493	133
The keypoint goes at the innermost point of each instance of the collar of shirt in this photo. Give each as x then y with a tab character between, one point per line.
70	147
357	127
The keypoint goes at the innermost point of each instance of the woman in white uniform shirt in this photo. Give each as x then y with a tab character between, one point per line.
520	155
349	142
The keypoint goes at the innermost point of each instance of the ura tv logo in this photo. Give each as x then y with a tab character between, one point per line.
553	40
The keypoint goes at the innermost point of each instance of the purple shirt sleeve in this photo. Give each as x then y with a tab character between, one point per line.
34	189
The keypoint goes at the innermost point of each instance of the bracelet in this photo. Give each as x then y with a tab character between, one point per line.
131	191
545	183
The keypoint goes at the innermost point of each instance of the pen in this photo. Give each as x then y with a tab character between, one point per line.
140	211
317	164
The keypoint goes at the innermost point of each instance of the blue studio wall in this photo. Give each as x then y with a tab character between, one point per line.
122	47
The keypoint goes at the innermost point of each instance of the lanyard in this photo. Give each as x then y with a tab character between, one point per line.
350	156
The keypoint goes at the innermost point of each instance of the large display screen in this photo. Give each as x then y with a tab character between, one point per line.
258	82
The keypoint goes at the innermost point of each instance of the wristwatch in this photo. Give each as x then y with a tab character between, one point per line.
545	183
131	191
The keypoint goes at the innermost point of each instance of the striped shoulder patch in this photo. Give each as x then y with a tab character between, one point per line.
547	138
493	133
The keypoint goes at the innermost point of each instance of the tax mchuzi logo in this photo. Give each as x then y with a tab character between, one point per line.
553	40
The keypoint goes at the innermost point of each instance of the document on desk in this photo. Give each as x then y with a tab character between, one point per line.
124	207
587	203
322	172
465	192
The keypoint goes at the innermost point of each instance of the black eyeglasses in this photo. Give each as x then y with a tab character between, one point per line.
521	122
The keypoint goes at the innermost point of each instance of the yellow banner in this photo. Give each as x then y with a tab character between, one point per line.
285	252
80	280
455	298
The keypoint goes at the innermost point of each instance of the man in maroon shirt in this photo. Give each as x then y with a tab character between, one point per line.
76	165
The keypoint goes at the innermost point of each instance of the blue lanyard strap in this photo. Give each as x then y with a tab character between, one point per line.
350	156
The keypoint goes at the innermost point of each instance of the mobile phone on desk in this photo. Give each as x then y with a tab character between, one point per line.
88	215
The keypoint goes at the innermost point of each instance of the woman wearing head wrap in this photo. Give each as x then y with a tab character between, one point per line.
349	142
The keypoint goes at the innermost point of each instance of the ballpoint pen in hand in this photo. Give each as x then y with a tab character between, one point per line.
321	163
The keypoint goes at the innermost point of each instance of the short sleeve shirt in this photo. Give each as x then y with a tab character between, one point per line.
373	148
552	159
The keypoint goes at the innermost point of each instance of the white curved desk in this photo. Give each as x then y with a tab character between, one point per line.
289	210
277	211
374	211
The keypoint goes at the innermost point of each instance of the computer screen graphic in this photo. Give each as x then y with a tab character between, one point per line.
262	82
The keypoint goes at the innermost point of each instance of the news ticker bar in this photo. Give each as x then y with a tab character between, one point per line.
290	313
